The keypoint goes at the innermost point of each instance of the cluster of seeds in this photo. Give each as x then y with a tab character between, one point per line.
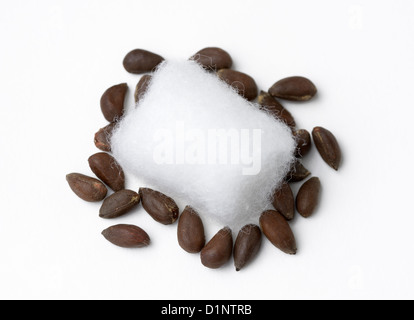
190	231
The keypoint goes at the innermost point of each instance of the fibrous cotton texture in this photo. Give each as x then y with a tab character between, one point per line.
194	138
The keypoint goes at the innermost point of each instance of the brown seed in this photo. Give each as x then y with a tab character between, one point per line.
304	143
327	146
243	83
307	198
127	236
271	105
102	137
160	207
277	230
142	86
140	61
112	102
284	201
294	89
108	170
190	231
119	203
297	173
87	188
247	245
213	59
218	250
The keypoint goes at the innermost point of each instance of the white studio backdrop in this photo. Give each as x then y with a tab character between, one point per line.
58	57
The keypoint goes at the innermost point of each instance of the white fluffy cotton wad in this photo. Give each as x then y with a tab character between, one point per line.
194	138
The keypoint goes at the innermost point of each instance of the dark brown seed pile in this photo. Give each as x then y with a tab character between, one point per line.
215	253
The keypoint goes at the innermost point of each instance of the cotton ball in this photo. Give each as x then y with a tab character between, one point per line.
194	138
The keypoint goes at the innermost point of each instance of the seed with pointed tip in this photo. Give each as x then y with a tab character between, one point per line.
297	173
127	236
284	201
243	83
140	61
142	87
218	250
108	170
247	245
190	231
307	198
277	230
213	59
294	89
87	188
303	140
102	137
271	105
119	203
327	146
112	102
160	207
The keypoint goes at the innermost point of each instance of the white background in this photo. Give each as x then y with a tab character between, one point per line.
57	58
